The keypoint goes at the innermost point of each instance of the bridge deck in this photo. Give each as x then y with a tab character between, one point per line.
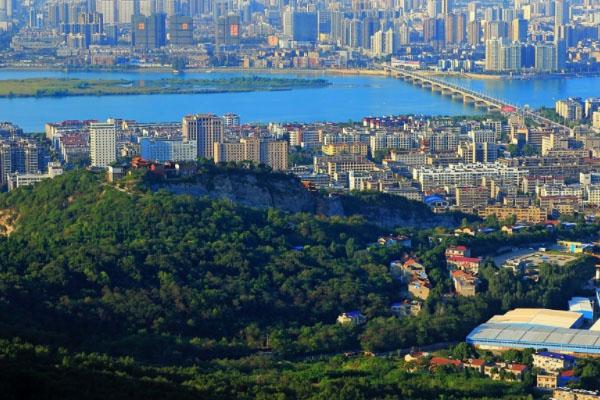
477	97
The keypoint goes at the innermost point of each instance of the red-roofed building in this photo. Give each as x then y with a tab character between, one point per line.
437	362
465	283
517	368
468	264
476	364
462	251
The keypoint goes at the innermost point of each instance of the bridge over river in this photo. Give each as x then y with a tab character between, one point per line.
467	95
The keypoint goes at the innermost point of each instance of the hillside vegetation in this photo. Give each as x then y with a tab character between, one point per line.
156	295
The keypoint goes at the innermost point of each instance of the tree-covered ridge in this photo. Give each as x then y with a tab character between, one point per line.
150	294
95	266
176	278
29	371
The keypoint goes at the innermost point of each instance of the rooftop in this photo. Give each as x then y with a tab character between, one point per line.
522	336
580	304
538	316
464	259
554	355
444	361
596	326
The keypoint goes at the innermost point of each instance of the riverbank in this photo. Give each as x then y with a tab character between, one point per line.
56	87
166	69
498	77
298	71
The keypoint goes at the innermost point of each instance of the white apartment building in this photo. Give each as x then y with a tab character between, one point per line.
596	119
103	144
560	190
466	175
593	195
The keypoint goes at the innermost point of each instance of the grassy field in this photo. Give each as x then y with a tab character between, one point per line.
51	87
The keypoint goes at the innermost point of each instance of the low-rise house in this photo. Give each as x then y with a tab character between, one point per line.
411	269
351	318
391	240
419	288
413	273
464	231
407	308
461	251
465	284
546	380
510	230
468	264
437	362
553	380
504	371
553	362
476	364
573	247
415	356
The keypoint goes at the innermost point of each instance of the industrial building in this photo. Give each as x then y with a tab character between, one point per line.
539	316
539	329
583	306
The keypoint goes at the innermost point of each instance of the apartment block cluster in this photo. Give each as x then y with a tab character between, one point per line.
23	159
220	138
537	35
476	166
575	109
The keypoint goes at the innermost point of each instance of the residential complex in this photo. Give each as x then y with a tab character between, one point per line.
511	37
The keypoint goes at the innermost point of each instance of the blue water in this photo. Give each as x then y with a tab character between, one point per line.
349	97
534	92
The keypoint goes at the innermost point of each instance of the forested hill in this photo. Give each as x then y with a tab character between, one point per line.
152	273
259	188
119	293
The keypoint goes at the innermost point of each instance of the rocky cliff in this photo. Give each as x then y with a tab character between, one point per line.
266	190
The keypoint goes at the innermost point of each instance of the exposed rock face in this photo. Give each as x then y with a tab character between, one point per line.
287	194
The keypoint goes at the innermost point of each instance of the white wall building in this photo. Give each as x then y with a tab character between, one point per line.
103	144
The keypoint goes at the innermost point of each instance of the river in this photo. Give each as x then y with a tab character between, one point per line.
348	98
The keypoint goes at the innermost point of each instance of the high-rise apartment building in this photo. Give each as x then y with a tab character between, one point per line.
109	11
126	9
25	157
6	9
545	57
518	30
103	144
181	30
205	130
434	8
496	30
148	32
18	155
474	33
5	161
447	6
501	56
228	31
300	26
231	120
273	153
455	28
